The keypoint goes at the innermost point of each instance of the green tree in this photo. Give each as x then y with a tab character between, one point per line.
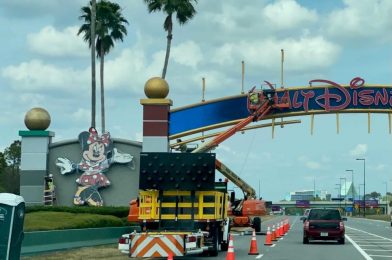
10	178
109	27
3	162
89	14
12	156
3	165
373	195
184	11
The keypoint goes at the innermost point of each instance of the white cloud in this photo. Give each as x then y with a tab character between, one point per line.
82	115
308	163
362	19
129	69
381	167
51	42
36	75
187	53
312	165
359	150
288	14
303	54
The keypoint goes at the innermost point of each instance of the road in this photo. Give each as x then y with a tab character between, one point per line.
365	239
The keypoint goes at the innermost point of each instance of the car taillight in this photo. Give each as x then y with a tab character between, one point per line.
306	225
341	225
191	239
123	240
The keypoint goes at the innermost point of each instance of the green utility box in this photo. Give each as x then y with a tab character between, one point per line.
12	211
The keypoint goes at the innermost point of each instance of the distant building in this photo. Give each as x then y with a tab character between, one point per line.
308	195
347	191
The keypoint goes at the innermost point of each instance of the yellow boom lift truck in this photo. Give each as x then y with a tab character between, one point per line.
181	209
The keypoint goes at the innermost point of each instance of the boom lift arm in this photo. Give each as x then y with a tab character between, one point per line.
259	104
249	192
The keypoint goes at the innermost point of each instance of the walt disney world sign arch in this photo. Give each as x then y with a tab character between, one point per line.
330	97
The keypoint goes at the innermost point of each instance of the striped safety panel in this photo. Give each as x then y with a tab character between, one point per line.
144	245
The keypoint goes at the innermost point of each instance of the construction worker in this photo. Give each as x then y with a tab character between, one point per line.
50	182
254	98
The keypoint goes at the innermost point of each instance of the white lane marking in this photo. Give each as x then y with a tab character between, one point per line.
386	256
259	256
385	238
379	243
372	245
378	249
273	245
368	219
370	239
363	253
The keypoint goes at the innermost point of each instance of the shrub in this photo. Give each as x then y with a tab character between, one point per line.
119	212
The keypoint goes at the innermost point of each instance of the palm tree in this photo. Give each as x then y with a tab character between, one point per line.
110	27
184	11
90	34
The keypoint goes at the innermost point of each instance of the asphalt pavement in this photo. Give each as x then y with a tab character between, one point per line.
365	239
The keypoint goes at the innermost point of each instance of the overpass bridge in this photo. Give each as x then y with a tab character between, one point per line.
292	207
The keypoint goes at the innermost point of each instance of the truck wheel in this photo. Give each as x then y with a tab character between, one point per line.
257	224
225	245
215	247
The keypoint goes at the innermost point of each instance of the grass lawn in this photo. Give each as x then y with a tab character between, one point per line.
379	217
46	220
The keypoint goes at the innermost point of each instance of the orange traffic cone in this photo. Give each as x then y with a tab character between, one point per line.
170	256
273	233
268	238
281	229
277	232
253	245
230	252
286	225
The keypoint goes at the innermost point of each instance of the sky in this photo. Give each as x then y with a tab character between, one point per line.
45	64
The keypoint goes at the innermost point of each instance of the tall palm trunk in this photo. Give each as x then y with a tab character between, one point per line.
102	89
169	39
93	83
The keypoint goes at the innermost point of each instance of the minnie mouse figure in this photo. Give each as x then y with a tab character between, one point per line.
98	154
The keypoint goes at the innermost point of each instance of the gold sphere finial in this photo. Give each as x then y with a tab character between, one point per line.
156	87
37	118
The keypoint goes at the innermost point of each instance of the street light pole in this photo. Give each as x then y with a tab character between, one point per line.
345	193
364	185
359	198
340	192
386	196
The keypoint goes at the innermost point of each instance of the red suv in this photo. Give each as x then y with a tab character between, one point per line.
324	224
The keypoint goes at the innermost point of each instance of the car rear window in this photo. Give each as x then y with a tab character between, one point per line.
324	214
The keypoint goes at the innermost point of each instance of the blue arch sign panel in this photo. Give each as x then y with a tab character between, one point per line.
330	98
